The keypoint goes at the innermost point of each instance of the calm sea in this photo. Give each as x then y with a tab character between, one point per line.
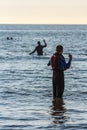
26	101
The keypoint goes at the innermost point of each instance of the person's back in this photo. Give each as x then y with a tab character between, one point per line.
39	50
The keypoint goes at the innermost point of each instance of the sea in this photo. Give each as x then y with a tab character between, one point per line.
26	100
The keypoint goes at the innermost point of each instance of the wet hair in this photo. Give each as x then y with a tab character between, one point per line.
59	48
7	38
11	38
38	42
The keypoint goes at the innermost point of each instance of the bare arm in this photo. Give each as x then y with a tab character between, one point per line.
32	51
45	44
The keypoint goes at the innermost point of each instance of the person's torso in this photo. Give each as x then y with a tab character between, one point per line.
39	50
55	59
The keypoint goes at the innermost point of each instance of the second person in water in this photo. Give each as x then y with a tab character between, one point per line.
39	48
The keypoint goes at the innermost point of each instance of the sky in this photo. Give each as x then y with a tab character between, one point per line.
43	11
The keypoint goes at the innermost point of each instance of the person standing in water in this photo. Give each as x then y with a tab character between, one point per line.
39	48
59	65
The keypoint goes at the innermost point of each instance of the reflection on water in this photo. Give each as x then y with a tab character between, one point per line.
58	111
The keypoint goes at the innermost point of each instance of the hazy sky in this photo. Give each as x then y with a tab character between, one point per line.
43	11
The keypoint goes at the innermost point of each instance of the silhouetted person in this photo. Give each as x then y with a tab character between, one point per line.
59	65
11	38
39	48
7	38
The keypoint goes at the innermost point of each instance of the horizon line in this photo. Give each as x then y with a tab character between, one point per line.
43	24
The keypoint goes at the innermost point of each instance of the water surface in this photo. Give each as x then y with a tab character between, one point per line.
26	100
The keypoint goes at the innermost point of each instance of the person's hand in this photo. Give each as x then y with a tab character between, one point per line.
70	56
44	41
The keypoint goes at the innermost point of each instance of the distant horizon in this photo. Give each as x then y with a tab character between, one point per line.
39	24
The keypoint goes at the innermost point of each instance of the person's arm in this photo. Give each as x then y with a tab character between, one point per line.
48	64
62	65
32	51
45	44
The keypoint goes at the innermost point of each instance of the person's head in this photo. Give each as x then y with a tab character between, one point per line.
7	38
38	42
59	49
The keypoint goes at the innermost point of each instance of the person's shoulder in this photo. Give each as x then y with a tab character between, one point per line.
36	47
62	57
41	46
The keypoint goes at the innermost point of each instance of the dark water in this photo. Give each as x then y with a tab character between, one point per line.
26	101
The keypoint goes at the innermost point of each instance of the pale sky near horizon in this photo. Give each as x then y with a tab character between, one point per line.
43	11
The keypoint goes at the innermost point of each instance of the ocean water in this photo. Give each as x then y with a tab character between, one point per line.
26	101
